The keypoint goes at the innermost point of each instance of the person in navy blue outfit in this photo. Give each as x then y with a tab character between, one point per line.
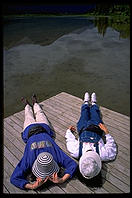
90	148
42	156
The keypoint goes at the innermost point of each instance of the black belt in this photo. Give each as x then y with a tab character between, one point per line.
35	130
93	128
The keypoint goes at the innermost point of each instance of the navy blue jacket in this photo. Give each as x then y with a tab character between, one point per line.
34	146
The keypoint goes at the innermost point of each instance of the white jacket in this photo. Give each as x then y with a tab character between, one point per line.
107	151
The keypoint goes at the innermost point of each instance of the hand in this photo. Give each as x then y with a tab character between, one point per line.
55	179
36	184
72	128
104	128
39	182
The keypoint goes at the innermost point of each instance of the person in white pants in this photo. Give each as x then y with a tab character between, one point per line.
33	118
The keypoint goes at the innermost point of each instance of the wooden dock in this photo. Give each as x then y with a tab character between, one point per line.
62	111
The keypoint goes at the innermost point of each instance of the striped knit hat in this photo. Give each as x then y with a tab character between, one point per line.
44	165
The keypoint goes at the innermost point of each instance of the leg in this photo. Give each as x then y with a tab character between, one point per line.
94	110
29	118
84	118
40	115
95	115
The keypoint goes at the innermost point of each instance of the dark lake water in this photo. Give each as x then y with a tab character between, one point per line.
49	55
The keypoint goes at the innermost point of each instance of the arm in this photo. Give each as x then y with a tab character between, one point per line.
29	186
64	178
71	143
18	176
108	151
104	128
66	162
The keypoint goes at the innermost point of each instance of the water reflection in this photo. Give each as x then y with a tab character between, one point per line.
55	54
122	26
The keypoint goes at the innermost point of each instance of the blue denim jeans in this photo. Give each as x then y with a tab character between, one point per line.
89	115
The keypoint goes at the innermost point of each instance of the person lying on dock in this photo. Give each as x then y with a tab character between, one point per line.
90	148
42	156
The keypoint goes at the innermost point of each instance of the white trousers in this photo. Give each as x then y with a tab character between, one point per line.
37	117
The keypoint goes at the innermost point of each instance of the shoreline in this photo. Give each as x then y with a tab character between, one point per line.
65	15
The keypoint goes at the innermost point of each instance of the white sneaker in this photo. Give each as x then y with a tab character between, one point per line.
86	98
93	98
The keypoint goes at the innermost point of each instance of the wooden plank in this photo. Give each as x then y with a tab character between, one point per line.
43	190
68	188
14	140
111	188
9	167
20	115
119	166
11	158
117	132
118	116
54	188
80	186
17	121
11	188
13	124
118	183
116	172
122	128
5	191
13	131
15	151
124	153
